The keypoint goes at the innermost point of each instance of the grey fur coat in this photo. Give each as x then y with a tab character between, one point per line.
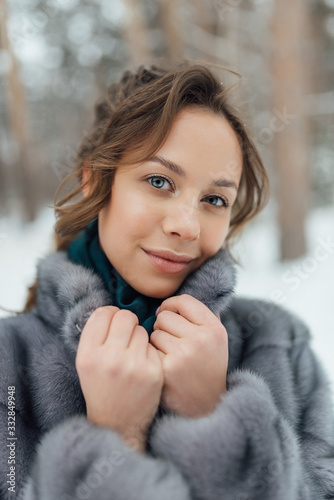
271	437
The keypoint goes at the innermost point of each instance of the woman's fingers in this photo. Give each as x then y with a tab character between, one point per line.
113	327
162	340
121	329
171	322
139	340
97	327
155	354
190	308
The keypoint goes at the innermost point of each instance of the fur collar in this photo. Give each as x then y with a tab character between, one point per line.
68	293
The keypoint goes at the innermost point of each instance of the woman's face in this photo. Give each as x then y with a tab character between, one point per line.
170	214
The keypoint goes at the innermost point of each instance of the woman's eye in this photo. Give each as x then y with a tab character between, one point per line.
218	201
159	182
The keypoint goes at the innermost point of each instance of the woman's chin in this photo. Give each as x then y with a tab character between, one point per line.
157	290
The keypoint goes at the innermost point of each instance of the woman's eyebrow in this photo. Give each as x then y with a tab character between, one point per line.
179	171
169	164
225	183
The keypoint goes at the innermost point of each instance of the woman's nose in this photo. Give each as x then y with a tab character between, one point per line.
183	222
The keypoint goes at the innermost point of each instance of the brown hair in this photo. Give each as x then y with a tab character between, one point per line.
135	116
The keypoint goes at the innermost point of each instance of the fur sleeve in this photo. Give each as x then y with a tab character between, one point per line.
316	422
78	460
246	449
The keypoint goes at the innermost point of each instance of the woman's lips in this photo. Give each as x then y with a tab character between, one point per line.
168	265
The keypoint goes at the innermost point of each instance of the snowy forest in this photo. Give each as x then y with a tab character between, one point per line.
58	56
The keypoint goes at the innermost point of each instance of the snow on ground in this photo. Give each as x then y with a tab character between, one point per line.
304	286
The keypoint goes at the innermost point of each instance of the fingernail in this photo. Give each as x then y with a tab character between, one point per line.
157	311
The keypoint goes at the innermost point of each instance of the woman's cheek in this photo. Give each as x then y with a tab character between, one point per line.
130	207
142	209
215	235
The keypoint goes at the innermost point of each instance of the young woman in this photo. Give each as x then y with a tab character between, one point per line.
134	372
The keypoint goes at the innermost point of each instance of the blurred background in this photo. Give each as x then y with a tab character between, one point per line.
58	56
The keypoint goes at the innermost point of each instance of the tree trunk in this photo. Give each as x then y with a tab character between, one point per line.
204	23
288	124
18	119
3	201
172	28
136	34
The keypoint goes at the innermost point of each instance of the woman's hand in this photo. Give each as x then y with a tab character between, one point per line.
193	346
120	374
